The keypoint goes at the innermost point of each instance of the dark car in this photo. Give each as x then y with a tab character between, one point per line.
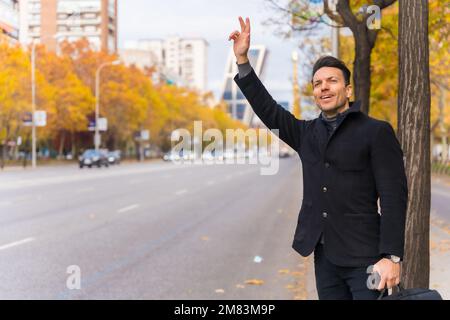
114	157
92	157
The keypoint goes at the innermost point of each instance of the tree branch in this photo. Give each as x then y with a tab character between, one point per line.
343	8
335	17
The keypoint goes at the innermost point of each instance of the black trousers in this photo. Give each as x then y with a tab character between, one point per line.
340	283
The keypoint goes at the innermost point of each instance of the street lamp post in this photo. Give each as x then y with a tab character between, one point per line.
33	105
33	100
97	101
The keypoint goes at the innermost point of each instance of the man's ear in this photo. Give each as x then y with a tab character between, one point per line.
349	91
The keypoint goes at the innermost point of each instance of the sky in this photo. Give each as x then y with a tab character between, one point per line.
213	20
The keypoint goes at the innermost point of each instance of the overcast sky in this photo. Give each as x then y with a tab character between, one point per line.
212	20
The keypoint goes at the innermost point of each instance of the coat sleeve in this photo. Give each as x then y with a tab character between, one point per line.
389	173
273	115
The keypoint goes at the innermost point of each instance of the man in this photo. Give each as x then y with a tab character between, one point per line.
350	161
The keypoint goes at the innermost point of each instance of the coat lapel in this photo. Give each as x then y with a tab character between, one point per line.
321	135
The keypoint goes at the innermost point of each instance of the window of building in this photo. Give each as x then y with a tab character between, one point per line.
188	48
227	95
90	28
240	110
253	55
89	15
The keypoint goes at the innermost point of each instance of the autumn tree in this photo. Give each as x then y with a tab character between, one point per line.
73	101
15	95
348	14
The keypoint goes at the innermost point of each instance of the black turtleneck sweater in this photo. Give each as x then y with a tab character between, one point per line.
331	123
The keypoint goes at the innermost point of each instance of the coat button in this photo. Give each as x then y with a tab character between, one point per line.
327	165
324	189
324	214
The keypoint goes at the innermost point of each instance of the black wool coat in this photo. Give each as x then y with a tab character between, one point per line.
343	177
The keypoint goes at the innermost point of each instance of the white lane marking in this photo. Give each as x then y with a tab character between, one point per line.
16	243
128	208
180	192
87	189
136	181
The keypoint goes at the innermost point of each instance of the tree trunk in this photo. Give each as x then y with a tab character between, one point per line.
361	70
72	144
444	133
62	141
2	156
414	136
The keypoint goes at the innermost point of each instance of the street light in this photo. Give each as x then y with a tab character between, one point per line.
33	99
97	100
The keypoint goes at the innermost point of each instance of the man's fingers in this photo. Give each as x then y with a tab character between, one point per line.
241	21
234	35
382	284
390	283
393	282
247	25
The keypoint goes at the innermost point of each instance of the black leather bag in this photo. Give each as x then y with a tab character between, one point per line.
411	294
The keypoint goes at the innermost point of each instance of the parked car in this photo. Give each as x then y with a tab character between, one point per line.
172	156
179	155
91	157
114	157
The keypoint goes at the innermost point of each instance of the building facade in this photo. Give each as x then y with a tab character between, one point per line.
238	106
182	61
53	21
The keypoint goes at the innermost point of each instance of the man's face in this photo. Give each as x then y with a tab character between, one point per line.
329	89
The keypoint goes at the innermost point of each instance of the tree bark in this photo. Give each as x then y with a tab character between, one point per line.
364	42
2	156
361	70
62	142
414	136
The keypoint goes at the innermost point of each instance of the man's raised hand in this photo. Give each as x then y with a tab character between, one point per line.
241	41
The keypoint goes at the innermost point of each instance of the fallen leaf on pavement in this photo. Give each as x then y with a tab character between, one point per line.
255	282
283	271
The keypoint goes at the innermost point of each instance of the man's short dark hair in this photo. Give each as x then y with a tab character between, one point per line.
329	61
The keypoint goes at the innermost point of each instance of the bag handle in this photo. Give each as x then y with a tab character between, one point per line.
398	286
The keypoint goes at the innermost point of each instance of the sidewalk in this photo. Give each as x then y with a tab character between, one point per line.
440	257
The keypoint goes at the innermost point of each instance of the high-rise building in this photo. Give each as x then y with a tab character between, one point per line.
238	106
179	60
53	21
9	20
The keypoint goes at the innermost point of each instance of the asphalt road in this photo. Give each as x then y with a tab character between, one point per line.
159	231
151	231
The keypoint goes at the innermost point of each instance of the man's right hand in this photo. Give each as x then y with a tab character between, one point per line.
241	41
